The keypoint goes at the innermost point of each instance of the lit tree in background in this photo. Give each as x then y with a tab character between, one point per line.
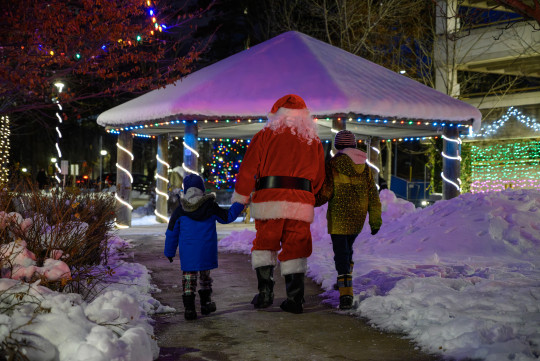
4	149
226	159
104	52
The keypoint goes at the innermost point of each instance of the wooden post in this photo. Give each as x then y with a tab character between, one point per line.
451	162
190	139
124	179
162	179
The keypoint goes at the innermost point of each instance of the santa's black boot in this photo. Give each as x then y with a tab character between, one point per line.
207	306
189	307
265	281
294	284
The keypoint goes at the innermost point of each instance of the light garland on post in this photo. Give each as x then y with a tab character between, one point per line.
59	86
457	184
123	202
184	164
4	148
158	192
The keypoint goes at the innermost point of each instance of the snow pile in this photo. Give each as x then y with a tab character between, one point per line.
62	326
460	278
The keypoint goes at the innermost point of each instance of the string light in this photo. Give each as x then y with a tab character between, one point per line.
158	192
184	164
514	164
120	200
457	182
491	129
59	86
379	122
4	148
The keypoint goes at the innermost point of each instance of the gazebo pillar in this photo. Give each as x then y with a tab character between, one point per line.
191	147
124	179
162	178
451	162
374	151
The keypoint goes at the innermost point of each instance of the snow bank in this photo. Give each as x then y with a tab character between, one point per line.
460	278
62	326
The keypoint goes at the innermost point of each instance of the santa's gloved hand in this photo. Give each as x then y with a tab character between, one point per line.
170	259
374	231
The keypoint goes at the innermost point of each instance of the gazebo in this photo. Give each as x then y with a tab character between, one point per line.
230	99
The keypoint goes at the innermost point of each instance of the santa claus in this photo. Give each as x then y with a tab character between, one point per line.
284	168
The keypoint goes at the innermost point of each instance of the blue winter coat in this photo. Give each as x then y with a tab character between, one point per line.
192	229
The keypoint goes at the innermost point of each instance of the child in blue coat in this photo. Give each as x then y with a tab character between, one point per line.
192	229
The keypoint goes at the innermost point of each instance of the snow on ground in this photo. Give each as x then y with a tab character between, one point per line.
116	325
461	278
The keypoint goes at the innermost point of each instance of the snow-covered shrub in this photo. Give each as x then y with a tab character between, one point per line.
60	238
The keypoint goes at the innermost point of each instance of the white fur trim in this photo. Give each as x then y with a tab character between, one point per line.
193	195
297	265
260	258
237	197
299	121
282	209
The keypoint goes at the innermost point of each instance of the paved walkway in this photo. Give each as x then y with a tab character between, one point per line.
238	332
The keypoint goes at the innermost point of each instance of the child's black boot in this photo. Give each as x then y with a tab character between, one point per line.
189	307
207	306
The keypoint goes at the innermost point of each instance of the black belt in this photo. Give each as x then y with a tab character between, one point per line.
283	182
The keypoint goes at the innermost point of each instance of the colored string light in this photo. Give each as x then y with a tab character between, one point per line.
495	167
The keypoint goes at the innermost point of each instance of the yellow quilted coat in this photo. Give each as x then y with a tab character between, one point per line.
351	194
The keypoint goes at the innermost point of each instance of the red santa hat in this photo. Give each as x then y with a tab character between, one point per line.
289	101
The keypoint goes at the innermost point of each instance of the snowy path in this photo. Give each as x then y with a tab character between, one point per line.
237	331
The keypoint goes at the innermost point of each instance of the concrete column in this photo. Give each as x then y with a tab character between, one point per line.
190	139
162	178
444	55
124	179
451	162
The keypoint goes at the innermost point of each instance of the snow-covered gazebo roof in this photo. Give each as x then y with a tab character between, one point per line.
334	83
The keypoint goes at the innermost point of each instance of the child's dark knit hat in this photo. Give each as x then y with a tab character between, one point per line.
193	180
344	139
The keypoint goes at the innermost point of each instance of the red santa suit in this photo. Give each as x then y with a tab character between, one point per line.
289	150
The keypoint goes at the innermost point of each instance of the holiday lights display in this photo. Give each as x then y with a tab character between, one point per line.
186	168
4	148
506	164
120	200
158	192
491	129
454	182
226	160
156	26
405	123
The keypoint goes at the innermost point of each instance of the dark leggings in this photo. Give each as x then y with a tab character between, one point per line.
189	281
343	252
